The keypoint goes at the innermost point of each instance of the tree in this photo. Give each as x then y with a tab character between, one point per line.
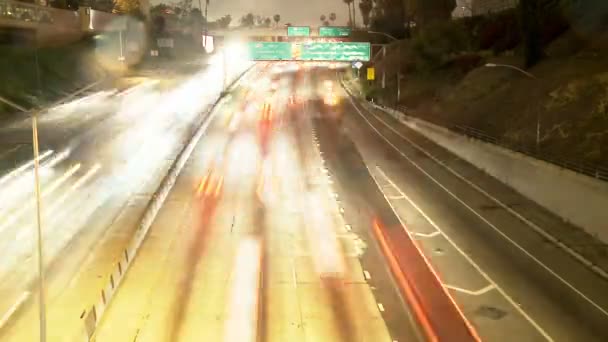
224	21
530	21
161	9
248	20
126	7
354	14
276	18
323	18
332	17
365	6
350	17
267	22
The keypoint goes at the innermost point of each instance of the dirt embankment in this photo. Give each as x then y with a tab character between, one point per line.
567	101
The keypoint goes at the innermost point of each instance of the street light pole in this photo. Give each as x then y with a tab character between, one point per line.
41	291
529	75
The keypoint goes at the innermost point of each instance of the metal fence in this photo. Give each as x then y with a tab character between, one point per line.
594	171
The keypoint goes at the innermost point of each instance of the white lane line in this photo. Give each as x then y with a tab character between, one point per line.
469	292
24	167
348	227
14	308
380	307
465	255
481	217
427	235
367	275
30	204
394	198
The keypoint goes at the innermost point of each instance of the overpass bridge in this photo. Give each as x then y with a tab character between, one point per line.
49	26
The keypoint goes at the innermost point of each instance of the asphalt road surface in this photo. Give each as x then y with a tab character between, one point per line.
267	254
511	283
102	157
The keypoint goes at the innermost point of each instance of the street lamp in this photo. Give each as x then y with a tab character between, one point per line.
529	75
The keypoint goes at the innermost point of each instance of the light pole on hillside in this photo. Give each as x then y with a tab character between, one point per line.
529	75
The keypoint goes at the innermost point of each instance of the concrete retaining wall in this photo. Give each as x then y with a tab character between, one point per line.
578	199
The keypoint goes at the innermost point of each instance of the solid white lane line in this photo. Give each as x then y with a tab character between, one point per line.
14	308
11	219
427	235
463	253
24	167
481	217
469	292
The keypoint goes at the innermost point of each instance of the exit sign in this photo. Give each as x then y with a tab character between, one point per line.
298	31
334	31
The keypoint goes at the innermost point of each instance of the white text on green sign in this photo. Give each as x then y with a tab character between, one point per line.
298	31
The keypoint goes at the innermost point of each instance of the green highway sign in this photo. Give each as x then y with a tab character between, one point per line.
314	51
269	51
325	51
298	31
334	31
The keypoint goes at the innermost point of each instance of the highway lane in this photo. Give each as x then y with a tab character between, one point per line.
273	260
107	167
511	284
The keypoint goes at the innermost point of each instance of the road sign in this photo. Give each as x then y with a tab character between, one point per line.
314	51
357	64
343	51
298	31
165	42
371	74
334	31
269	51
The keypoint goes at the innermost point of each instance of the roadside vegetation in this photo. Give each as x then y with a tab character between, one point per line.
445	77
31	80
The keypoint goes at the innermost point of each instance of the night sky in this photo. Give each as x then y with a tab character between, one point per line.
297	12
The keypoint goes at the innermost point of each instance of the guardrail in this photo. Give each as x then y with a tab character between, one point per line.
587	169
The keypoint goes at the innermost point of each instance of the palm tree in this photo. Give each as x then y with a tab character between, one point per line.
365	6
350	17
354	13
276	18
332	17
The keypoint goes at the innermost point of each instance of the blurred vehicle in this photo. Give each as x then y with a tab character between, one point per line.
330	99
265	126
210	186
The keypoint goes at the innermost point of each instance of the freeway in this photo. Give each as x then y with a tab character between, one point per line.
252	244
102	157
510	282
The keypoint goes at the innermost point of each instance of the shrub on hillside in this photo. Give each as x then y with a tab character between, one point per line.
433	45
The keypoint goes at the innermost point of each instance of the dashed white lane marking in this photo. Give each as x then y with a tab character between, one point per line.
529	223
394	198
367	275
427	235
14	308
462	252
469	292
348	227
380	307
